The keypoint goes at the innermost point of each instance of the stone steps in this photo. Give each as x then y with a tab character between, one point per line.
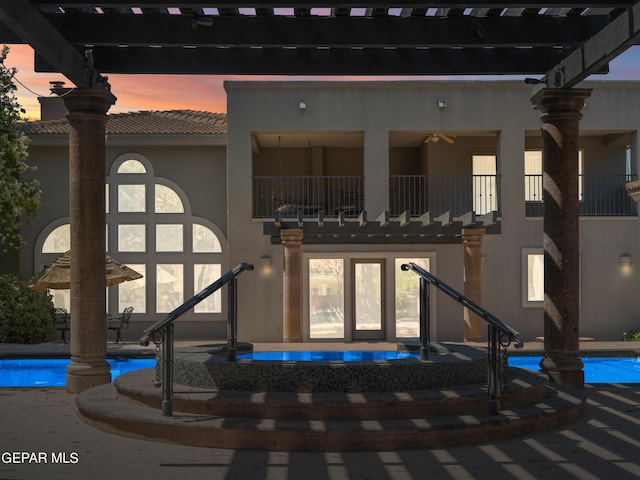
328	421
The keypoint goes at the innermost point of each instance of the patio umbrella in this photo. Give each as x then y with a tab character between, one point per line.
57	275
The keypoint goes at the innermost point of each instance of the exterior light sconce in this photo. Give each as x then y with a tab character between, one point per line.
626	260
266	264
442	104
302	105
625	264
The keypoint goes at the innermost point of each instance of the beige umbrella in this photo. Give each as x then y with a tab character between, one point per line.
57	275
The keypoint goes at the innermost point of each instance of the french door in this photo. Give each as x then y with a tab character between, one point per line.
368	299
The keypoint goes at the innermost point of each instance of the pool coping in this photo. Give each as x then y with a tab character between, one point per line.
132	349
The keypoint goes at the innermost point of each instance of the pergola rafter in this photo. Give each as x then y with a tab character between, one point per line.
559	42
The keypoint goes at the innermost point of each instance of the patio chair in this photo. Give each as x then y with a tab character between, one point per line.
116	322
61	323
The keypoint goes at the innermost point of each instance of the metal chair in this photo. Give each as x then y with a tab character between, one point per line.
61	322
116	323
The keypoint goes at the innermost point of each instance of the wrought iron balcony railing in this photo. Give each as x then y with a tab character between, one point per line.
440	193
309	195
599	195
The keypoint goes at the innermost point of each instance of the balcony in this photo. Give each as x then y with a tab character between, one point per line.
599	196
440	193
308	196
334	195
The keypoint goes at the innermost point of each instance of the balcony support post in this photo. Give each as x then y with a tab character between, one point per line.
561	114
291	286
472	242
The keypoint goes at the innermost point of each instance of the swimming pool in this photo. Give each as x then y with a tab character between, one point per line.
596	369
51	372
328	356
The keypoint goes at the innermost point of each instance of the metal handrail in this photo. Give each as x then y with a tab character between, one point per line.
500	334
161	332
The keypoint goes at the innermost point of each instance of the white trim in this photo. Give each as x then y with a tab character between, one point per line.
524	277
388	258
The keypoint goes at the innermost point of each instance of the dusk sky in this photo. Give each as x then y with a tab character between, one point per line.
205	92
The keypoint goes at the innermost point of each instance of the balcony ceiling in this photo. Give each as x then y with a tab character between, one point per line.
559	42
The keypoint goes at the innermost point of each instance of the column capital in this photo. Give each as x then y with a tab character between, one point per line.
473	235
560	101
88	101
291	236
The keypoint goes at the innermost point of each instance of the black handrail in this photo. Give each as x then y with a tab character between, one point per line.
193	301
161	332
498	330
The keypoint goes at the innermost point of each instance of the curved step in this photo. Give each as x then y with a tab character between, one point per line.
524	387
103	408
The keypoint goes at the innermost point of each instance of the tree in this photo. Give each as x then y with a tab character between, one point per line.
19	197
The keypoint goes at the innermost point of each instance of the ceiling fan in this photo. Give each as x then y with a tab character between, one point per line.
435	137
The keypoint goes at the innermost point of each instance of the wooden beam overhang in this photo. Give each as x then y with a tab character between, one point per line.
384	230
270	4
26	22
563	41
330	32
316	61
619	34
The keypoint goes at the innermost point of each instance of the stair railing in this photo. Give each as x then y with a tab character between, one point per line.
161	332
500	335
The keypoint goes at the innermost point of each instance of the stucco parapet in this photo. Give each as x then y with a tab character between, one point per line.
241	85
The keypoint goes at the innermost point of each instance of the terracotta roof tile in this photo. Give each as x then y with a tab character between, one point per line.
170	122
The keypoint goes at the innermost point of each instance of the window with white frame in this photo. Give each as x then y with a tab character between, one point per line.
533	175
150	229
533	277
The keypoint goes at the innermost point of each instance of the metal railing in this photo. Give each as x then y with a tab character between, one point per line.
500	335
440	193
599	195
309	195
161	332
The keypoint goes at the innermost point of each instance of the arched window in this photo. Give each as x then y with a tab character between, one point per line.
132	166
150	229
58	241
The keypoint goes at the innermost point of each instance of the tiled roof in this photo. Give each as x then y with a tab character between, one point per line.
170	122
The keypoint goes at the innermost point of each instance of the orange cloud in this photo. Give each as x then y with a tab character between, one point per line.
134	92
206	92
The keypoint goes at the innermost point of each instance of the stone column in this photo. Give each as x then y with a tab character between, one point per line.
560	130
291	286
472	242
87	109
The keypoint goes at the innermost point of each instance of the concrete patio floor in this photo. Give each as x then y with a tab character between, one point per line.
603	444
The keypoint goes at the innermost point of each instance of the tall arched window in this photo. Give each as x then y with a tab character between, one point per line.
151	229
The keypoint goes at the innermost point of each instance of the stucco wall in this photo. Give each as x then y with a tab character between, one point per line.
486	116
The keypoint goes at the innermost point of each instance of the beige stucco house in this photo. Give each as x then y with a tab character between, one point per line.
343	182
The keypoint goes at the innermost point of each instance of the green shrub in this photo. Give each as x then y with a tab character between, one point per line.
632	336
25	315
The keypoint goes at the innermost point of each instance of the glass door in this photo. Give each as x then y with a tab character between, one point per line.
368	300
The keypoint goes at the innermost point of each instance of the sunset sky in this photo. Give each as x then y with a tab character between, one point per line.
204	92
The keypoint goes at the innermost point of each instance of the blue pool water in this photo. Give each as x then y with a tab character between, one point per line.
596	369
51	372
327	356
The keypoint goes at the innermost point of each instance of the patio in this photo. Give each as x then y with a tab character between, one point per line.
599	445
